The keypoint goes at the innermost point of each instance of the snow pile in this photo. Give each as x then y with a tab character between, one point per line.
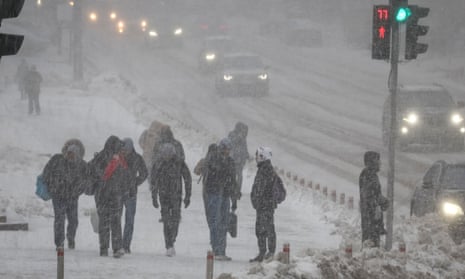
430	253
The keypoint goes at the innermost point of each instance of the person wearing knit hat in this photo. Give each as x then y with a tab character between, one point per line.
137	175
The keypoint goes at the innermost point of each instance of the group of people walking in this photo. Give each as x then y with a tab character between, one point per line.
113	175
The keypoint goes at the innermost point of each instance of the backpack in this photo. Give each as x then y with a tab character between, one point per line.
279	192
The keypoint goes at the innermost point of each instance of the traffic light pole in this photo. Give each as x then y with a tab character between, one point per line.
393	126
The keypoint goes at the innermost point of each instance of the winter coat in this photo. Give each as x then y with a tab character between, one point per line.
66	180
166	136
238	138
167	183
371	203
262	188
137	171
147	140
32	82
220	175
115	182
100	161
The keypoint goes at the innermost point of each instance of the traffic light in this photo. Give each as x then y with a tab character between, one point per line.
381	44
10	43
413	31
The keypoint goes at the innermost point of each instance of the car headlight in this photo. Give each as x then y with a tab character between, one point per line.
456	118
451	209
263	76
210	56
178	31
404	130
227	77
153	33
411	118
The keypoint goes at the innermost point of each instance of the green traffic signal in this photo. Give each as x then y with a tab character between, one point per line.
403	13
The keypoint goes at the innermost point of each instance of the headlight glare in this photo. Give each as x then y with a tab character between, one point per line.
210	56
263	76
227	77
451	209
411	118
153	33
456	118
178	31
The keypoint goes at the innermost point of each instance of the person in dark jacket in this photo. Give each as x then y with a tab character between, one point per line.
220	183
169	172
65	175
239	152
138	173
264	204
32	81
111	173
372	202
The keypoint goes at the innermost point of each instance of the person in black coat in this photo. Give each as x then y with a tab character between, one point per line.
372	202
220	185
264	204
138	173
166	184
111	175
65	175
239	152
32	81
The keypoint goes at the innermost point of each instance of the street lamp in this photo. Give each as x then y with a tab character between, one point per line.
112	15
143	25
93	16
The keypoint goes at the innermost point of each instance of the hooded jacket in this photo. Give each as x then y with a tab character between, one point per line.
238	138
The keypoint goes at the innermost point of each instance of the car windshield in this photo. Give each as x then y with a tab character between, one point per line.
427	99
454	177
219	45
243	62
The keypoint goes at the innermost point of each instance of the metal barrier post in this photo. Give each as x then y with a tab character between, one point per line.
286	252
60	263
210	257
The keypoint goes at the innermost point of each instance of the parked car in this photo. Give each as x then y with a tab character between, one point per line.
242	73
212	52
426	114
443	191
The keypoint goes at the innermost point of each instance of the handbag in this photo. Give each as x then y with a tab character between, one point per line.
42	189
232	228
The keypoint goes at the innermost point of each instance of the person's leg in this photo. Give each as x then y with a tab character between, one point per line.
223	225
72	214
213	213
36	102
130	204
30	99
115	224
59	222
176	218
260	232
270	233
239	180
104	229
166	217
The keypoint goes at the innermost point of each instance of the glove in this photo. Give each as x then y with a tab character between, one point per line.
155	203
186	202
234	205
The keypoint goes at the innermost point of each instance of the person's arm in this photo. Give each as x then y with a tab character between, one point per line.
142	172
186	175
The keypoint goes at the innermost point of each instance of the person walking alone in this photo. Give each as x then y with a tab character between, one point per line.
32	81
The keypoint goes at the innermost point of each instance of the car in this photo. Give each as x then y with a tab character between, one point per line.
212	25
241	73
212	52
443	191
164	32
426	114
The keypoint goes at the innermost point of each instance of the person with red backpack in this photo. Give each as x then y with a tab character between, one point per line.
263	201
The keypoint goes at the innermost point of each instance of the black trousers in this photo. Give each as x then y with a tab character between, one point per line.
171	216
109	214
265	231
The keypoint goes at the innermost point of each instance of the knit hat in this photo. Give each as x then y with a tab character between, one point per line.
263	153
128	144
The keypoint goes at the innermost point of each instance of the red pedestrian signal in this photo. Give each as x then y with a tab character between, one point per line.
381	44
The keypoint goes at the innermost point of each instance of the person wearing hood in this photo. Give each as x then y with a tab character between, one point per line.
166	136
65	175
372	202
137	175
239	152
167	184
147	140
111	173
264	204
32	81
220	195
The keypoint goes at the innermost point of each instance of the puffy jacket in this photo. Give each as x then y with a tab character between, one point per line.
262	188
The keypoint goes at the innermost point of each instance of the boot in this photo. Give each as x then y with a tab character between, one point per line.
258	258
